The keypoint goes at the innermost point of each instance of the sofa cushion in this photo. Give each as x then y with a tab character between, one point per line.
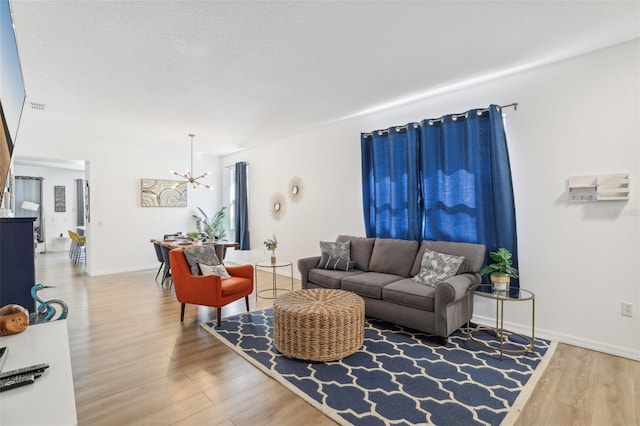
409	293
473	254
214	270
391	256
205	254
337	249
361	249
368	284
329	278
437	267
330	262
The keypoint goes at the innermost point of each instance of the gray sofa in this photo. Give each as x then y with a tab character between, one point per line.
382	277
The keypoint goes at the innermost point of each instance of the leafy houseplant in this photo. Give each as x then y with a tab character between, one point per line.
271	244
501	271
212	227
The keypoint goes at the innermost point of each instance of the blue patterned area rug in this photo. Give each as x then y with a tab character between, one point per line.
399	376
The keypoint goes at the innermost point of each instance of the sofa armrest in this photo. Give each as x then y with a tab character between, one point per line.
304	266
450	304
454	288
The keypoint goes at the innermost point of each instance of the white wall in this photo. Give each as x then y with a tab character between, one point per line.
119	231
576	117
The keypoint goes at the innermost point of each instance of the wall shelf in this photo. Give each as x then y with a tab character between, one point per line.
599	188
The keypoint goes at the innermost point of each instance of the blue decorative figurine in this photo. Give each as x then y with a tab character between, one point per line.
45	309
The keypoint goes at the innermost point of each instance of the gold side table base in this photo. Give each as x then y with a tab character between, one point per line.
499	331
265	266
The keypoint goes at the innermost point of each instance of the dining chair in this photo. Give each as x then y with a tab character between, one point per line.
159	256
72	247
78	244
167	265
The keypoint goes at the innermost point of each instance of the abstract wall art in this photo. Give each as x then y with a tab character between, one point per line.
60	198
163	193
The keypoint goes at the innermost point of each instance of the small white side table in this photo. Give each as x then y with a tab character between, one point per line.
60	244
266	265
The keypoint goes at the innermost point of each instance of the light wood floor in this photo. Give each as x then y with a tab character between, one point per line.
135	363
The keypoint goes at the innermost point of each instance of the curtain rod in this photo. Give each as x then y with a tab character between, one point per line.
439	120
233	165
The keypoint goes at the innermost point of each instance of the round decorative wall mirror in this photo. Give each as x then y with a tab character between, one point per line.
296	188
277	206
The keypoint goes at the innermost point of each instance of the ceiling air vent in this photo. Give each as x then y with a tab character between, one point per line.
38	107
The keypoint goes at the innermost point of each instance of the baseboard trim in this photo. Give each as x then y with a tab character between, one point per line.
622	351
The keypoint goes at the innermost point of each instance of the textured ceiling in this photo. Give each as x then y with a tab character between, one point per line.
240	73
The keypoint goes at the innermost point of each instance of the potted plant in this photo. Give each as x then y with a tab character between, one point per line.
501	271
212	227
271	244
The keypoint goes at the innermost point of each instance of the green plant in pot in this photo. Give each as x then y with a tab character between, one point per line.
501	270
271	244
212	227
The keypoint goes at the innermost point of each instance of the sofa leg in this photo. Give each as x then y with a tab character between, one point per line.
219	316
246	299
182	313
443	340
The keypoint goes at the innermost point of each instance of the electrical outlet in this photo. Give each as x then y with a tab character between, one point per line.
627	309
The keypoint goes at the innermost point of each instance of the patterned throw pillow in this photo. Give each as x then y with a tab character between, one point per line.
329	262
340	251
200	254
215	270
437	267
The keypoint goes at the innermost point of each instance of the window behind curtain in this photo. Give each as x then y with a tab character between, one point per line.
30	189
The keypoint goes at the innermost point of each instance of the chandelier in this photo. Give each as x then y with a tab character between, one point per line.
189	174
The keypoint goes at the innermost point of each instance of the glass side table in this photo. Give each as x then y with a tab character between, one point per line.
500	297
267	265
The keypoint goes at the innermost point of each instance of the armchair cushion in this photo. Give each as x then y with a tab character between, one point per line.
204	254
219	270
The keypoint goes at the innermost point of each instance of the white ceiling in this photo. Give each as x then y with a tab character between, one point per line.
241	73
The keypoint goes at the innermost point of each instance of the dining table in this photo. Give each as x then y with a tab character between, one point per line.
220	246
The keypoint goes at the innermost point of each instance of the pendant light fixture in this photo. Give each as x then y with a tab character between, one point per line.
189	174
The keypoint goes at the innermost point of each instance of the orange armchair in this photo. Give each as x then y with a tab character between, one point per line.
209	290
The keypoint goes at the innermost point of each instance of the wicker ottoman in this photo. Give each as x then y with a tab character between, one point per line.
318	324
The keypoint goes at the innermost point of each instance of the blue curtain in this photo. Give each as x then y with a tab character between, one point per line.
242	207
466	181
450	179
390	192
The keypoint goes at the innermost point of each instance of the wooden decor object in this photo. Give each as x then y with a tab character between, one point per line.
14	319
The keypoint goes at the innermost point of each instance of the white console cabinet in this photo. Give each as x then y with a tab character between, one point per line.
50	400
